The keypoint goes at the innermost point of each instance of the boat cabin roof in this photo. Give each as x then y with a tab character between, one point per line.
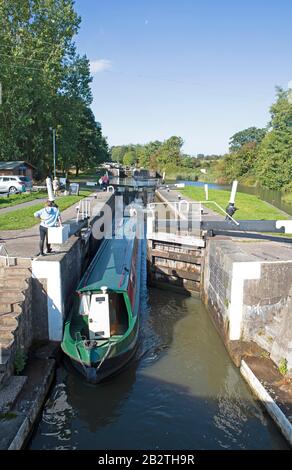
111	265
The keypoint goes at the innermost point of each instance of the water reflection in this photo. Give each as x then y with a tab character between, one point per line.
102	405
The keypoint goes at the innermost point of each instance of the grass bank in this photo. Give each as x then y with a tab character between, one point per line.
24	218
15	199
250	207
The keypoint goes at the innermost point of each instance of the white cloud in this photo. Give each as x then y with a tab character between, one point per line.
99	65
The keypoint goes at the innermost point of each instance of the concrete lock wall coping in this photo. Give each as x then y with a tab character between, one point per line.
265	398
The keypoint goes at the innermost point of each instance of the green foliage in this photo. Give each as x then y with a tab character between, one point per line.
117	153
163	156
8	416
156	155
262	156
238	164
283	366
45	83
19	361
129	158
274	163
252	135
16	199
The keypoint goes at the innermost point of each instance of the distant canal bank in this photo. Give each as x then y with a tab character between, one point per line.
271	196
181	392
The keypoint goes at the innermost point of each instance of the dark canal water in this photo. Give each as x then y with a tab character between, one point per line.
181	392
272	196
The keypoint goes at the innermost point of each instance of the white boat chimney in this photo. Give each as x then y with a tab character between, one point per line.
104	289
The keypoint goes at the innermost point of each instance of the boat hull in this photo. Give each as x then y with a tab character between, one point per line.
97	373
120	270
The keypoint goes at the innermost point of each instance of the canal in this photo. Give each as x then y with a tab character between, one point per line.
180	392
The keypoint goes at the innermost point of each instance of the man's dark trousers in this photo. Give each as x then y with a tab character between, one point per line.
43	237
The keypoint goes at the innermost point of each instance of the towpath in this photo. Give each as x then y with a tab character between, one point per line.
22	205
25	243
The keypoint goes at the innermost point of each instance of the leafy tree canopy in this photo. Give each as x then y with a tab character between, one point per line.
45	83
247	136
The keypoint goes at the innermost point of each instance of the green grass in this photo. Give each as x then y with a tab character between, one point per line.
87	175
283	366
250	206
24	218
86	192
15	199
8	416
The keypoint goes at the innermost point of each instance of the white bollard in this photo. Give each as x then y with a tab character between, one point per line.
50	189
206	192
150	222
233	192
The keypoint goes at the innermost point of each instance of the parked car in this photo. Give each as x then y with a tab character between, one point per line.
15	184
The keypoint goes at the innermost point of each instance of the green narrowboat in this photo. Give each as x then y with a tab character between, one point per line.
101	332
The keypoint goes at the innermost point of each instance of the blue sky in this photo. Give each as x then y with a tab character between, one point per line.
202	70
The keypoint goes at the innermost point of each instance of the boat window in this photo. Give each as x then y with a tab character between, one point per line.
119	321
84	305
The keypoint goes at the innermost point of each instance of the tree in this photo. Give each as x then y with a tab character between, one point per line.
274	163
153	155
247	136
35	38
129	158
45	83
240	163
117	153
170	152
146	158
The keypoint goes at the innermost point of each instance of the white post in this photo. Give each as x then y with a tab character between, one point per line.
50	189
150	222
54	151
163	176
206	191
233	192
